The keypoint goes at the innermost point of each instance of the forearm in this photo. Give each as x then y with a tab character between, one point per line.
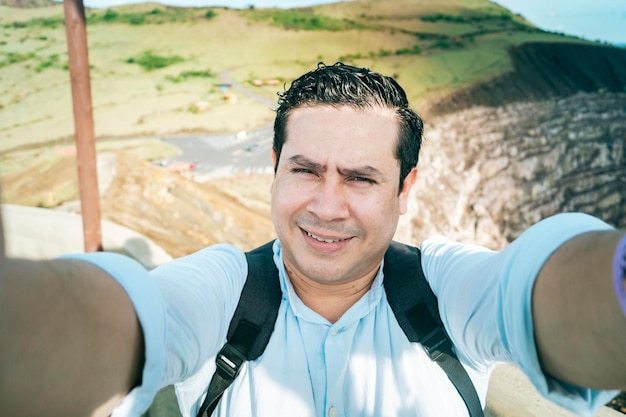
70	343
580	329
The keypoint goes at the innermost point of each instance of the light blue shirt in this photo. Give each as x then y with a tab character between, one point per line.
362	364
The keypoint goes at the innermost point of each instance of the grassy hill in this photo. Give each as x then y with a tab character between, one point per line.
155	69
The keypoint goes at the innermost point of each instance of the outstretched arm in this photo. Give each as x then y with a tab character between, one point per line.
580	329
70	342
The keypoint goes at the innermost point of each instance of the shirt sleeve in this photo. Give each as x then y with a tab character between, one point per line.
183	307
485	302
200	292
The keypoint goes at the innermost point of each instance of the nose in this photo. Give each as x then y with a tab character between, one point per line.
330	201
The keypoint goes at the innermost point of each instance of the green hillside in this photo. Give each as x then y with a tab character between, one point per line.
156	69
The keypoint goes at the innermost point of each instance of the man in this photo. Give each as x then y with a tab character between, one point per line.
345	150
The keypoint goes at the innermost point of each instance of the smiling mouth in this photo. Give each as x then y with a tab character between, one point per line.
321	239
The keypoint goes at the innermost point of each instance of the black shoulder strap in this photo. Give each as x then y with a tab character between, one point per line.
251	326
415	307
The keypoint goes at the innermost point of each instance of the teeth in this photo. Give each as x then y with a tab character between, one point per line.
323	240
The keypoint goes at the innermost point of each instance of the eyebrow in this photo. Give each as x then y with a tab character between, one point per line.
306	163
363	171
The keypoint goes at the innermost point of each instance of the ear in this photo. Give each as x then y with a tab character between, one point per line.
409	181
274	165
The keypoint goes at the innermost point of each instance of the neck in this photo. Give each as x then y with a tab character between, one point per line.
330	299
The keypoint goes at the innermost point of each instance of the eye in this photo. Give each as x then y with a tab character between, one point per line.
302	171
363	180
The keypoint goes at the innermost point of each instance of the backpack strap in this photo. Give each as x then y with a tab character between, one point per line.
251	326
415	307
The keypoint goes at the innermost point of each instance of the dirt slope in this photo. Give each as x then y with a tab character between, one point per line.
182	215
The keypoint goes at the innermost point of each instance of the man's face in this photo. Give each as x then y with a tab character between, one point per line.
335	202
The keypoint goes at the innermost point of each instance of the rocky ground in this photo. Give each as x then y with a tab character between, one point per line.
488	173
182	215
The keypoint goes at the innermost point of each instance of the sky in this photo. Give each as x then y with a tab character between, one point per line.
603	20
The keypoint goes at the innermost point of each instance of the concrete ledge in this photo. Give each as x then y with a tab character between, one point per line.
512	395
36	233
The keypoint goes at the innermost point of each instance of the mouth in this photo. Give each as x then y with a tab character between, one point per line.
324	240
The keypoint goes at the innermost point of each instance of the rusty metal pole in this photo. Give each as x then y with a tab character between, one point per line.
76	34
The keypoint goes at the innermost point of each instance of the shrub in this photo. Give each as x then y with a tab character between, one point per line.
47	63
110	15
415	50
350	57
302	20
49	22
45	22
154	16
486	16
16	25
14	57
190	74
197	74
136	19
149	61
443	44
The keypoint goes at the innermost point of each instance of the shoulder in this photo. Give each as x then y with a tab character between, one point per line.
219	261
439	253
443	257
